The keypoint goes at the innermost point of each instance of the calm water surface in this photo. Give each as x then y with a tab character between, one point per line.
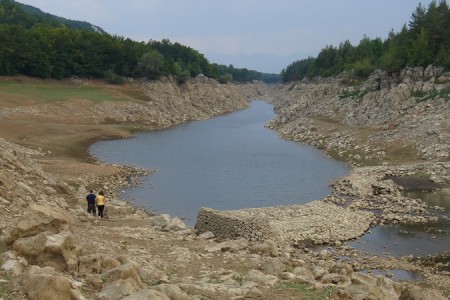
228	162
411	239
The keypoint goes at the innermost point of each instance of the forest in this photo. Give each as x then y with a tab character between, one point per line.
38	44
424	41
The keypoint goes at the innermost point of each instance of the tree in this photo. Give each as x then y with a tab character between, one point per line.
150	65
417	19
420	53
395	55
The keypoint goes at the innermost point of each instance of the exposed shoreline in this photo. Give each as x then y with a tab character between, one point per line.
166	255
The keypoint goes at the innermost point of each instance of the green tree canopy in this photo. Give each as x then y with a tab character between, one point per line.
38	44
425	41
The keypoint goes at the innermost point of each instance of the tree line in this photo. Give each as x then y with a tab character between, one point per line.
42	45
424	41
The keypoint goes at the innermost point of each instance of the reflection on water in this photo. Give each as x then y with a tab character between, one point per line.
435	198
406	239
411	239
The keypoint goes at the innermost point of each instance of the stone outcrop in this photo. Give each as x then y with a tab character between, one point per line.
410	108
162	103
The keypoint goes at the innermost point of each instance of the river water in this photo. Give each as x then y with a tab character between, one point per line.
233	162
227	162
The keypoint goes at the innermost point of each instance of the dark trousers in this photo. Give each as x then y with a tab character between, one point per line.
91	209
101	208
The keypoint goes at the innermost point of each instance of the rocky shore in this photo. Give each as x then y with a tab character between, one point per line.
52	249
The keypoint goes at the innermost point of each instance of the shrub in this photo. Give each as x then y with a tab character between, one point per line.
113	78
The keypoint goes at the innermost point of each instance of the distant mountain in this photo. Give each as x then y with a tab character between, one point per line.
60	20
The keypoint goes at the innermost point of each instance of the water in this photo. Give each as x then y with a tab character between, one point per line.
412	239
228	162
406	239
433	198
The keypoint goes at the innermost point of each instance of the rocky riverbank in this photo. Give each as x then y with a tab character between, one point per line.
385	120
52	249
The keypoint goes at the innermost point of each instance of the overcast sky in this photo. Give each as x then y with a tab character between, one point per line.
262	35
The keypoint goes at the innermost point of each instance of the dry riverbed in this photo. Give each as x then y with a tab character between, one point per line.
135	254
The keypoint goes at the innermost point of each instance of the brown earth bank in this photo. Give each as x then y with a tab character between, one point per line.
51	248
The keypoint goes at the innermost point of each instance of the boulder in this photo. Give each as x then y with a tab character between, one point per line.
417	293
118	290
126	272
268	247
261	278
167	223
273	266
363	286
13	267
46	284
335	279
90	264
230	246
147	295
303	275
48	249
172	291
206	236
40	218
152	275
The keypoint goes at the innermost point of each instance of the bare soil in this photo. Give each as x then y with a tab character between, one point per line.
65	137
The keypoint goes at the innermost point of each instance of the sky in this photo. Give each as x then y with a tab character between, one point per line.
261	35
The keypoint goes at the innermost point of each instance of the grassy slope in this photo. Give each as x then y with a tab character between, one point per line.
64	137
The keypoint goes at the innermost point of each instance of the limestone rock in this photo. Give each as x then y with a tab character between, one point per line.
147	295
273	266
126	272
46	284
261	278
48	249
172	291
166	222
268	247
39	218
206	235
230	246
91	264
13	267
417	293
152	275
118	289
367	287
303	275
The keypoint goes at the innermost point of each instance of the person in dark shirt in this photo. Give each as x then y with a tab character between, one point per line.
91	203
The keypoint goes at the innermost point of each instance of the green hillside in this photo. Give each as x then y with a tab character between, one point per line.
63	21
38	44
424	41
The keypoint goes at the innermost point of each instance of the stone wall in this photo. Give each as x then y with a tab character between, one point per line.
316	221
233	225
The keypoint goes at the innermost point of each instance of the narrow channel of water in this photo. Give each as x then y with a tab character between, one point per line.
228	162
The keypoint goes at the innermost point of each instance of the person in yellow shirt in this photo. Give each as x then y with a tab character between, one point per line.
100	202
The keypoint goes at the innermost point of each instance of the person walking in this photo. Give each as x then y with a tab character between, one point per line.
91	200
100	201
